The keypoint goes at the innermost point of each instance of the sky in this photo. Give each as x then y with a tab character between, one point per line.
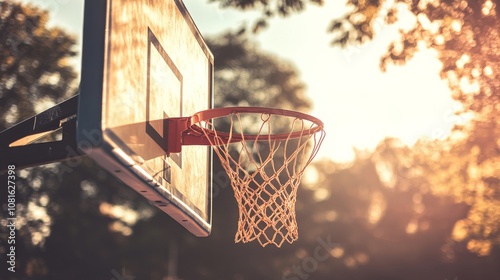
359	104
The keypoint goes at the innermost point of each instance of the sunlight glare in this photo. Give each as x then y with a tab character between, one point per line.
456	25
480	247
377	208
459	232
321	194
44	200
385	174
39	214
488	71
412	227
311	177
362	258
359	104
468	86
121	212
487	7
118	226
337	252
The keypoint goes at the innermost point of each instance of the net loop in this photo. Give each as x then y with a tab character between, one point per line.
264	152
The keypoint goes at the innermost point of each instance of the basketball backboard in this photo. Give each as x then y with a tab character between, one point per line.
144	61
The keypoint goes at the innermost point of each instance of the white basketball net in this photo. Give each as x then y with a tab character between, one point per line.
265	174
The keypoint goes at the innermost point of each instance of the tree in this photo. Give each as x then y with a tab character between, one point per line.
34	62
269	9
84	224
245	76
34	74
466	36
51	207
384	210
67	212
467	170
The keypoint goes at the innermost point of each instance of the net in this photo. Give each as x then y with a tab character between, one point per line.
264	153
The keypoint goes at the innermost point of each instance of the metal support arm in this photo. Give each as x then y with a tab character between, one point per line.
16	143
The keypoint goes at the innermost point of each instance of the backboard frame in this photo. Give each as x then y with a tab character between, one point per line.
105	147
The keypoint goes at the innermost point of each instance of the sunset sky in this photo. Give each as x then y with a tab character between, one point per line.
358	103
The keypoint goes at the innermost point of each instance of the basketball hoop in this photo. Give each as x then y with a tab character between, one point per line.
265	164
264	151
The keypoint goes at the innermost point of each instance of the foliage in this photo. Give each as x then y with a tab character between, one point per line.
246	76
462	168
269	9
468	170
466	36
76	220
464	33
34	73
34	62
413	210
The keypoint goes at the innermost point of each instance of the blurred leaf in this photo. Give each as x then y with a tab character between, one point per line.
259	25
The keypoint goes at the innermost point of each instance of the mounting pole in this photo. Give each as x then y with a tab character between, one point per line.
16	143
